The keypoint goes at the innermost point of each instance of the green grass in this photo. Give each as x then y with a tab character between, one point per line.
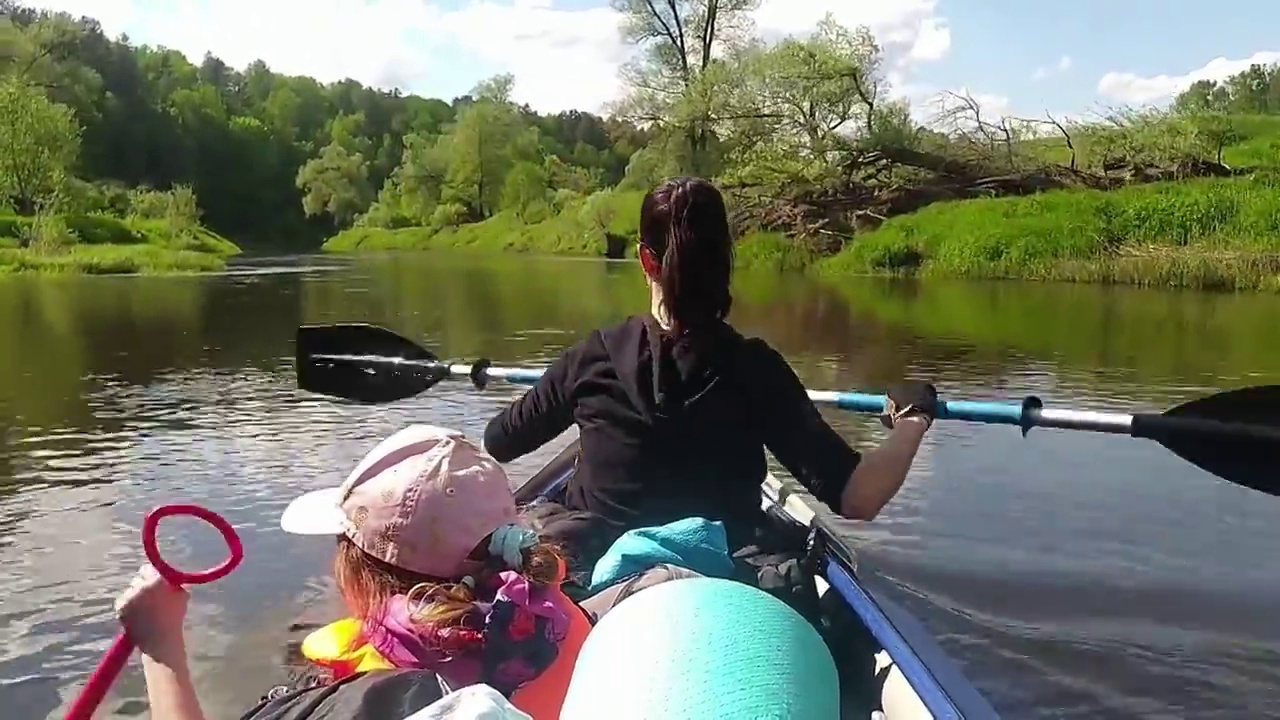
105	245
110	260
1259	144
1208	234
577	230
771	251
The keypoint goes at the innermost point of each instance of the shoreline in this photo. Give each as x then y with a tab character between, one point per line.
1208	234
107	245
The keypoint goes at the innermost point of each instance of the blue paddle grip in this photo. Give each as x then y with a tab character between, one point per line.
523	376
994	413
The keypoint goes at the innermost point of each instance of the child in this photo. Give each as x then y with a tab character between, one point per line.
437	575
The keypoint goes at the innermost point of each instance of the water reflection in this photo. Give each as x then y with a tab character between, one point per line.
1068	572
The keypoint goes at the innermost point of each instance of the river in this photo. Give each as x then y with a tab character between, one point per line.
1072	575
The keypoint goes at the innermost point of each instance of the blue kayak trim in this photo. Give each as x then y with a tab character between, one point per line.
918	675
943	689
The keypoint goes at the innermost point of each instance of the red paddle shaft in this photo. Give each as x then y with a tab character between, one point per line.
118	656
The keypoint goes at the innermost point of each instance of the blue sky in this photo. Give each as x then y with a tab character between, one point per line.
564	53
997	45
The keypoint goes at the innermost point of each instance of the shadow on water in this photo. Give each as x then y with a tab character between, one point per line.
1070	574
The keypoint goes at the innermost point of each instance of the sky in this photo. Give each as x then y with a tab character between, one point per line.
1017	57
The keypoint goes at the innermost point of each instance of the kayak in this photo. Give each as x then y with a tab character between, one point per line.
893	665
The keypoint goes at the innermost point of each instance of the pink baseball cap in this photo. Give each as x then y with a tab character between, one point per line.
422	500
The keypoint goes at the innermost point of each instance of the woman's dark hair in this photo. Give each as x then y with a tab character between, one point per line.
684	223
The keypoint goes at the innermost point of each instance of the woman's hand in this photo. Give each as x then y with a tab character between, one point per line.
910	399
152	612
879	475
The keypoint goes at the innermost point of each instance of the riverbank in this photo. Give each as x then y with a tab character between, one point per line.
581	227
601	225
105	245
1212	234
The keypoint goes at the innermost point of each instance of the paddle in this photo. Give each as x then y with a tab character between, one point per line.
1233	434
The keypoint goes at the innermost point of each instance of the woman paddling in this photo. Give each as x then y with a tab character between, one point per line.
675	408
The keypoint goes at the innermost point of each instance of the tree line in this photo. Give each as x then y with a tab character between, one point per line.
1253	91
92	122
272	159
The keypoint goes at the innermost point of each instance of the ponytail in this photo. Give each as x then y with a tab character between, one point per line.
498	625
511	548
685	224
367	584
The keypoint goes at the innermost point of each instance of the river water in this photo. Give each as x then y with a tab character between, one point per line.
1071	575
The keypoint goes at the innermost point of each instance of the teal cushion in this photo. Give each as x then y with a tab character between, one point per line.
694	543
703	649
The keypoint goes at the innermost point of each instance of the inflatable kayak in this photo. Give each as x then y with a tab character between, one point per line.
893	665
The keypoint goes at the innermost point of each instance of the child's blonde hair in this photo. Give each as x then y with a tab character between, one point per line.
366	583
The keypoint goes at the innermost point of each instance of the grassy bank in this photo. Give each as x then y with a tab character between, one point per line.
1219	233
581	228
1215	234
106	245
577	229
1210	234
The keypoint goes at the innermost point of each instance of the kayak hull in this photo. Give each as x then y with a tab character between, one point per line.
889	661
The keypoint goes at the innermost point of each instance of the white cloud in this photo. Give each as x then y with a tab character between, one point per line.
561	58
907	30
1136	89
1044	71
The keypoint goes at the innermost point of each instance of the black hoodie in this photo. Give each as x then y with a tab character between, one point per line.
672	429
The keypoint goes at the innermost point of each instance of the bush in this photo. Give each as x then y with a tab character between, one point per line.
47	235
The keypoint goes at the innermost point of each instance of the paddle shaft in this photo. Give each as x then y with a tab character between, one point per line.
103	677
1233	434
1029	413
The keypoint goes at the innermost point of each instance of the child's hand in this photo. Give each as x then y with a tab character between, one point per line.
152	612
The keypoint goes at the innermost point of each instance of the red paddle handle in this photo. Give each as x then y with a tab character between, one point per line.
109	668
176	577
101	680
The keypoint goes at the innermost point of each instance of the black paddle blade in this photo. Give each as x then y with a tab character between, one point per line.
364	363
1234	435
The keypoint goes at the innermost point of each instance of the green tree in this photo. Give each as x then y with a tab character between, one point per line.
40	141
525	191
412	192
488	138
672	83
336	183
1201	96
1253	91
241	137
796	105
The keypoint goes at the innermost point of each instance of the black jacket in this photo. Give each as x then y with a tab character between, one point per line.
673	428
